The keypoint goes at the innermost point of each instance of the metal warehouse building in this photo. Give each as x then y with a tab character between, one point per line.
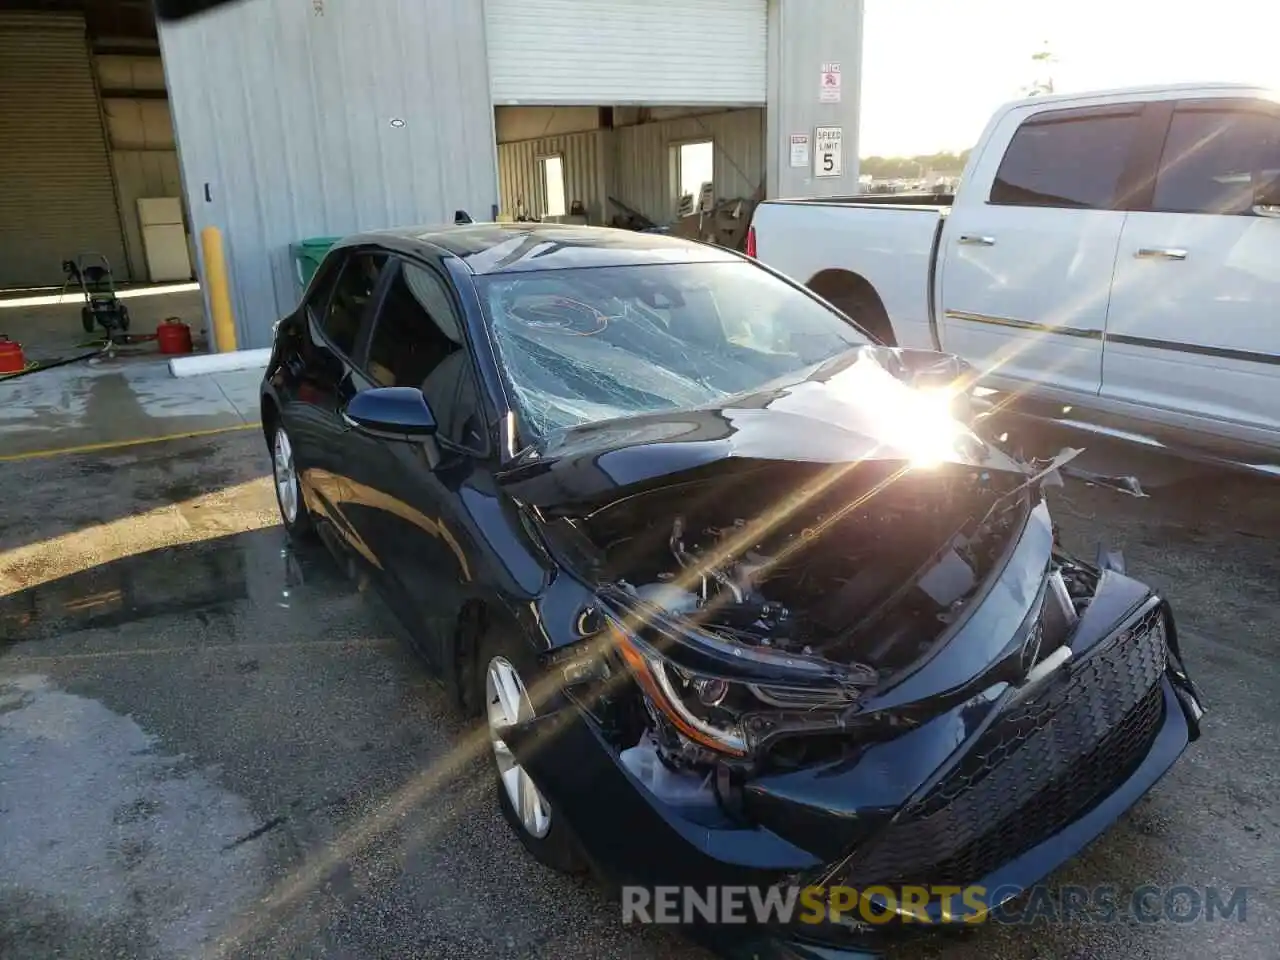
300	118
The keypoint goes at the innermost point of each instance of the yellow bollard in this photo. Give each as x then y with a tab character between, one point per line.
215	280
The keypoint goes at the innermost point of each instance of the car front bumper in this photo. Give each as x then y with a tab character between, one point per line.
996	802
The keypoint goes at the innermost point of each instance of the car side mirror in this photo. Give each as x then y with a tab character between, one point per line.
1266	194
391	413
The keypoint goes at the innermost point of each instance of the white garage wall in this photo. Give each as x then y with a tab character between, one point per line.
641	168
302	119
585	166
627	51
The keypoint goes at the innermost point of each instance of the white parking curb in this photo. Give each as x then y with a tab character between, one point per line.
201	363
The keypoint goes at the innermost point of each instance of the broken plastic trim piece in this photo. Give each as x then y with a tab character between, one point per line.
1121	484
1043	670
1109	559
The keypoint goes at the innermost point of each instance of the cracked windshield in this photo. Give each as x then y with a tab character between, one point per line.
582	345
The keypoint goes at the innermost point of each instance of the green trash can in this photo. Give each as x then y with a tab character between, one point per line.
307	255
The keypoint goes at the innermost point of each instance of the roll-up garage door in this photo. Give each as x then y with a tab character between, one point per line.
57	199
627	52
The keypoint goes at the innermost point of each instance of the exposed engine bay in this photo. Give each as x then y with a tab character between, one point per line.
858	584
867	578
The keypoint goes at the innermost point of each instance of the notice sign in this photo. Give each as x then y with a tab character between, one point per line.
828	159
799	149
829	91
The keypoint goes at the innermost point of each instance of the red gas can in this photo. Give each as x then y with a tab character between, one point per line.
11	358
173	336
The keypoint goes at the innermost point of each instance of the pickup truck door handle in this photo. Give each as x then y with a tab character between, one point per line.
1161	253
979	241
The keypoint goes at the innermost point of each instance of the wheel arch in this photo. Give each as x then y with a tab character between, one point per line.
269	416
461	660
855	296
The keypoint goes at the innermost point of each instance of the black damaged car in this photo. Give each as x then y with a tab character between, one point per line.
743	596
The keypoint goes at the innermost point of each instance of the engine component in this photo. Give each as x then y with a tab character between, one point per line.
687	562
868	582
948	580
669	597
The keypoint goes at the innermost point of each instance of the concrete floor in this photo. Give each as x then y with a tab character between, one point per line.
210	745
121	400
104	400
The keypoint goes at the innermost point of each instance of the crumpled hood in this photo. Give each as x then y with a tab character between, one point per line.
873	404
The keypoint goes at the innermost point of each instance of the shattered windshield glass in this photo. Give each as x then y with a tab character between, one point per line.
597	343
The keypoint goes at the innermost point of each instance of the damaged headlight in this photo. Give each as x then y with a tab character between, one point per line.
707	710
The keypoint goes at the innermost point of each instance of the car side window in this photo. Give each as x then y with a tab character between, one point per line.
351	295
321	288
418	341
1211	157
1067	158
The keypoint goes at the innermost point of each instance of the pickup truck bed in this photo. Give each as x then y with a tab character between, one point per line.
896	242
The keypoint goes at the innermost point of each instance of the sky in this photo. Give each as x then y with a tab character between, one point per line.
933	71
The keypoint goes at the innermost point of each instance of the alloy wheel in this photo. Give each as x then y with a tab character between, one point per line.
285	475
508	704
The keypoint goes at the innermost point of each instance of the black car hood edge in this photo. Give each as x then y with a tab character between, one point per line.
853	410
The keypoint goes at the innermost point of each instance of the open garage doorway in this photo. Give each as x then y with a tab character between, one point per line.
638	112
634	167
88	170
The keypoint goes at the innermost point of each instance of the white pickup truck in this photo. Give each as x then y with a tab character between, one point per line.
1114	253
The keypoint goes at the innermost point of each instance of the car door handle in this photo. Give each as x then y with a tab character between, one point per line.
977	240
1161	253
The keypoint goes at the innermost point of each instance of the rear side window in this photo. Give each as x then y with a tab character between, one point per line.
321	288
351	295
1212	156
1067	158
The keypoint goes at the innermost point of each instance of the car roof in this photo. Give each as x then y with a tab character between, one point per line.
488	248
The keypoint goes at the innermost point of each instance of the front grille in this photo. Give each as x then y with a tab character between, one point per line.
1034	770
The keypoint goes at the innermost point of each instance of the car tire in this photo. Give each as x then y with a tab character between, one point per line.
284	474
503	698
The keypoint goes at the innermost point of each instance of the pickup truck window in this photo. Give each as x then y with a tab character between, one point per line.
1067	158
1210	157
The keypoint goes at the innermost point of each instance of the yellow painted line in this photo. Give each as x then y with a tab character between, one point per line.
117	444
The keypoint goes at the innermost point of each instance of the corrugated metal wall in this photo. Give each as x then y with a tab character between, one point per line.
802	35
140	131
316	118
56	195
641	168
585	165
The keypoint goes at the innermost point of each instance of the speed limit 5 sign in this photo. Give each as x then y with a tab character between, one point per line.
827	153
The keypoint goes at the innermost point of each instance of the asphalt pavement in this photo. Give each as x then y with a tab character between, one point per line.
211	745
